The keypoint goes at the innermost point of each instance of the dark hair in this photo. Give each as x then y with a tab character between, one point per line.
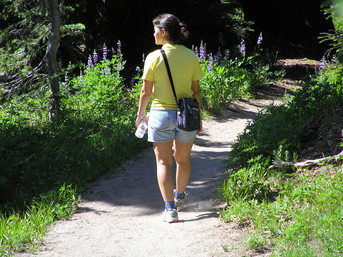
178	31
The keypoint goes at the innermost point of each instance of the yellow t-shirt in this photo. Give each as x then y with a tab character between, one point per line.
184	67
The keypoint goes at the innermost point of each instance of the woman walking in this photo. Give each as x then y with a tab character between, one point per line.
162	130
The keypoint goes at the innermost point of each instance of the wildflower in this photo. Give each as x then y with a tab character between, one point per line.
132	82
90	62
218	56
210	63
107	70
322	64
138	69
227	53
196	51
66	78
242	48
95	57
104	52
119	47
260	39
81	76
202	50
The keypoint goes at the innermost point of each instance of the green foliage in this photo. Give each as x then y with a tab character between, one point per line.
334	10
25	231
97	91
248	183
24	37
45	166
222	85
286	125
306	217
230	78
292	214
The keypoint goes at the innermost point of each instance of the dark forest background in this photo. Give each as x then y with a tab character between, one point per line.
290	27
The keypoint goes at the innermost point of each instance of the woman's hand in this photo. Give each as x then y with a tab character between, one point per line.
198	131
140	118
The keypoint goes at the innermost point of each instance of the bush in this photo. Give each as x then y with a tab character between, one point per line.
38	159
229	77
287	125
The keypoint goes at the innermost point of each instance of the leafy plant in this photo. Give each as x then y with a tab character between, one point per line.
334	11
248	183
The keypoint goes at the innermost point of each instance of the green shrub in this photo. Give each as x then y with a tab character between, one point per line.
37	159
247	183
303	216
222	85
228	78
286	125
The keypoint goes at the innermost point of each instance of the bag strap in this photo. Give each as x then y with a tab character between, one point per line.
169	73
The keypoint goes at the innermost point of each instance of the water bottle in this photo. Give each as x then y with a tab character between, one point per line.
141	129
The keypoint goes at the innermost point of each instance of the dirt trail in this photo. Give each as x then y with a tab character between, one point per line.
121	214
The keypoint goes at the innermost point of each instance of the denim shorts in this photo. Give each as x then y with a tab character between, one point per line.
162	128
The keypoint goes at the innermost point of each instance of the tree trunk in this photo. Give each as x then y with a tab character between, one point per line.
51	60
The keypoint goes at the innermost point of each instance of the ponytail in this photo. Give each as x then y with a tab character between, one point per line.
178	31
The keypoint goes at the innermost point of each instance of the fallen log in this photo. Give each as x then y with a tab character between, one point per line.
307	163
325	160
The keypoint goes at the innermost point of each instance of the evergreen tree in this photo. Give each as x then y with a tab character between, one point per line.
29	40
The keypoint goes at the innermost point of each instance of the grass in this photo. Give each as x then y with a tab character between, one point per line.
291	212
305	218
25	230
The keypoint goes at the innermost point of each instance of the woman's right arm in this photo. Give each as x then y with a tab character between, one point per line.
144	100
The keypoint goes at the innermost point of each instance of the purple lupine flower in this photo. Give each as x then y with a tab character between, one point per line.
227	53
66	77
95	57
196	51
210	63
322	64
260	39
107	70
81	76
132	82
104	51
221	39
202	50
119	47
90	62
219	54
242	47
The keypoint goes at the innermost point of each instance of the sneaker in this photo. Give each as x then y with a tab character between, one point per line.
179	203
170	216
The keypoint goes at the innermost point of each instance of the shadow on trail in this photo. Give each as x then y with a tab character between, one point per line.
135	186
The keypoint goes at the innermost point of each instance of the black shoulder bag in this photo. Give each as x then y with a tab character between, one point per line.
188	113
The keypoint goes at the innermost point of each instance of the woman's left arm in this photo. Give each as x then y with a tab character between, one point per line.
196	91
196	95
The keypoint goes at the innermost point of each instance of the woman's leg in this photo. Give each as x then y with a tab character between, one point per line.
164	161
182	155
